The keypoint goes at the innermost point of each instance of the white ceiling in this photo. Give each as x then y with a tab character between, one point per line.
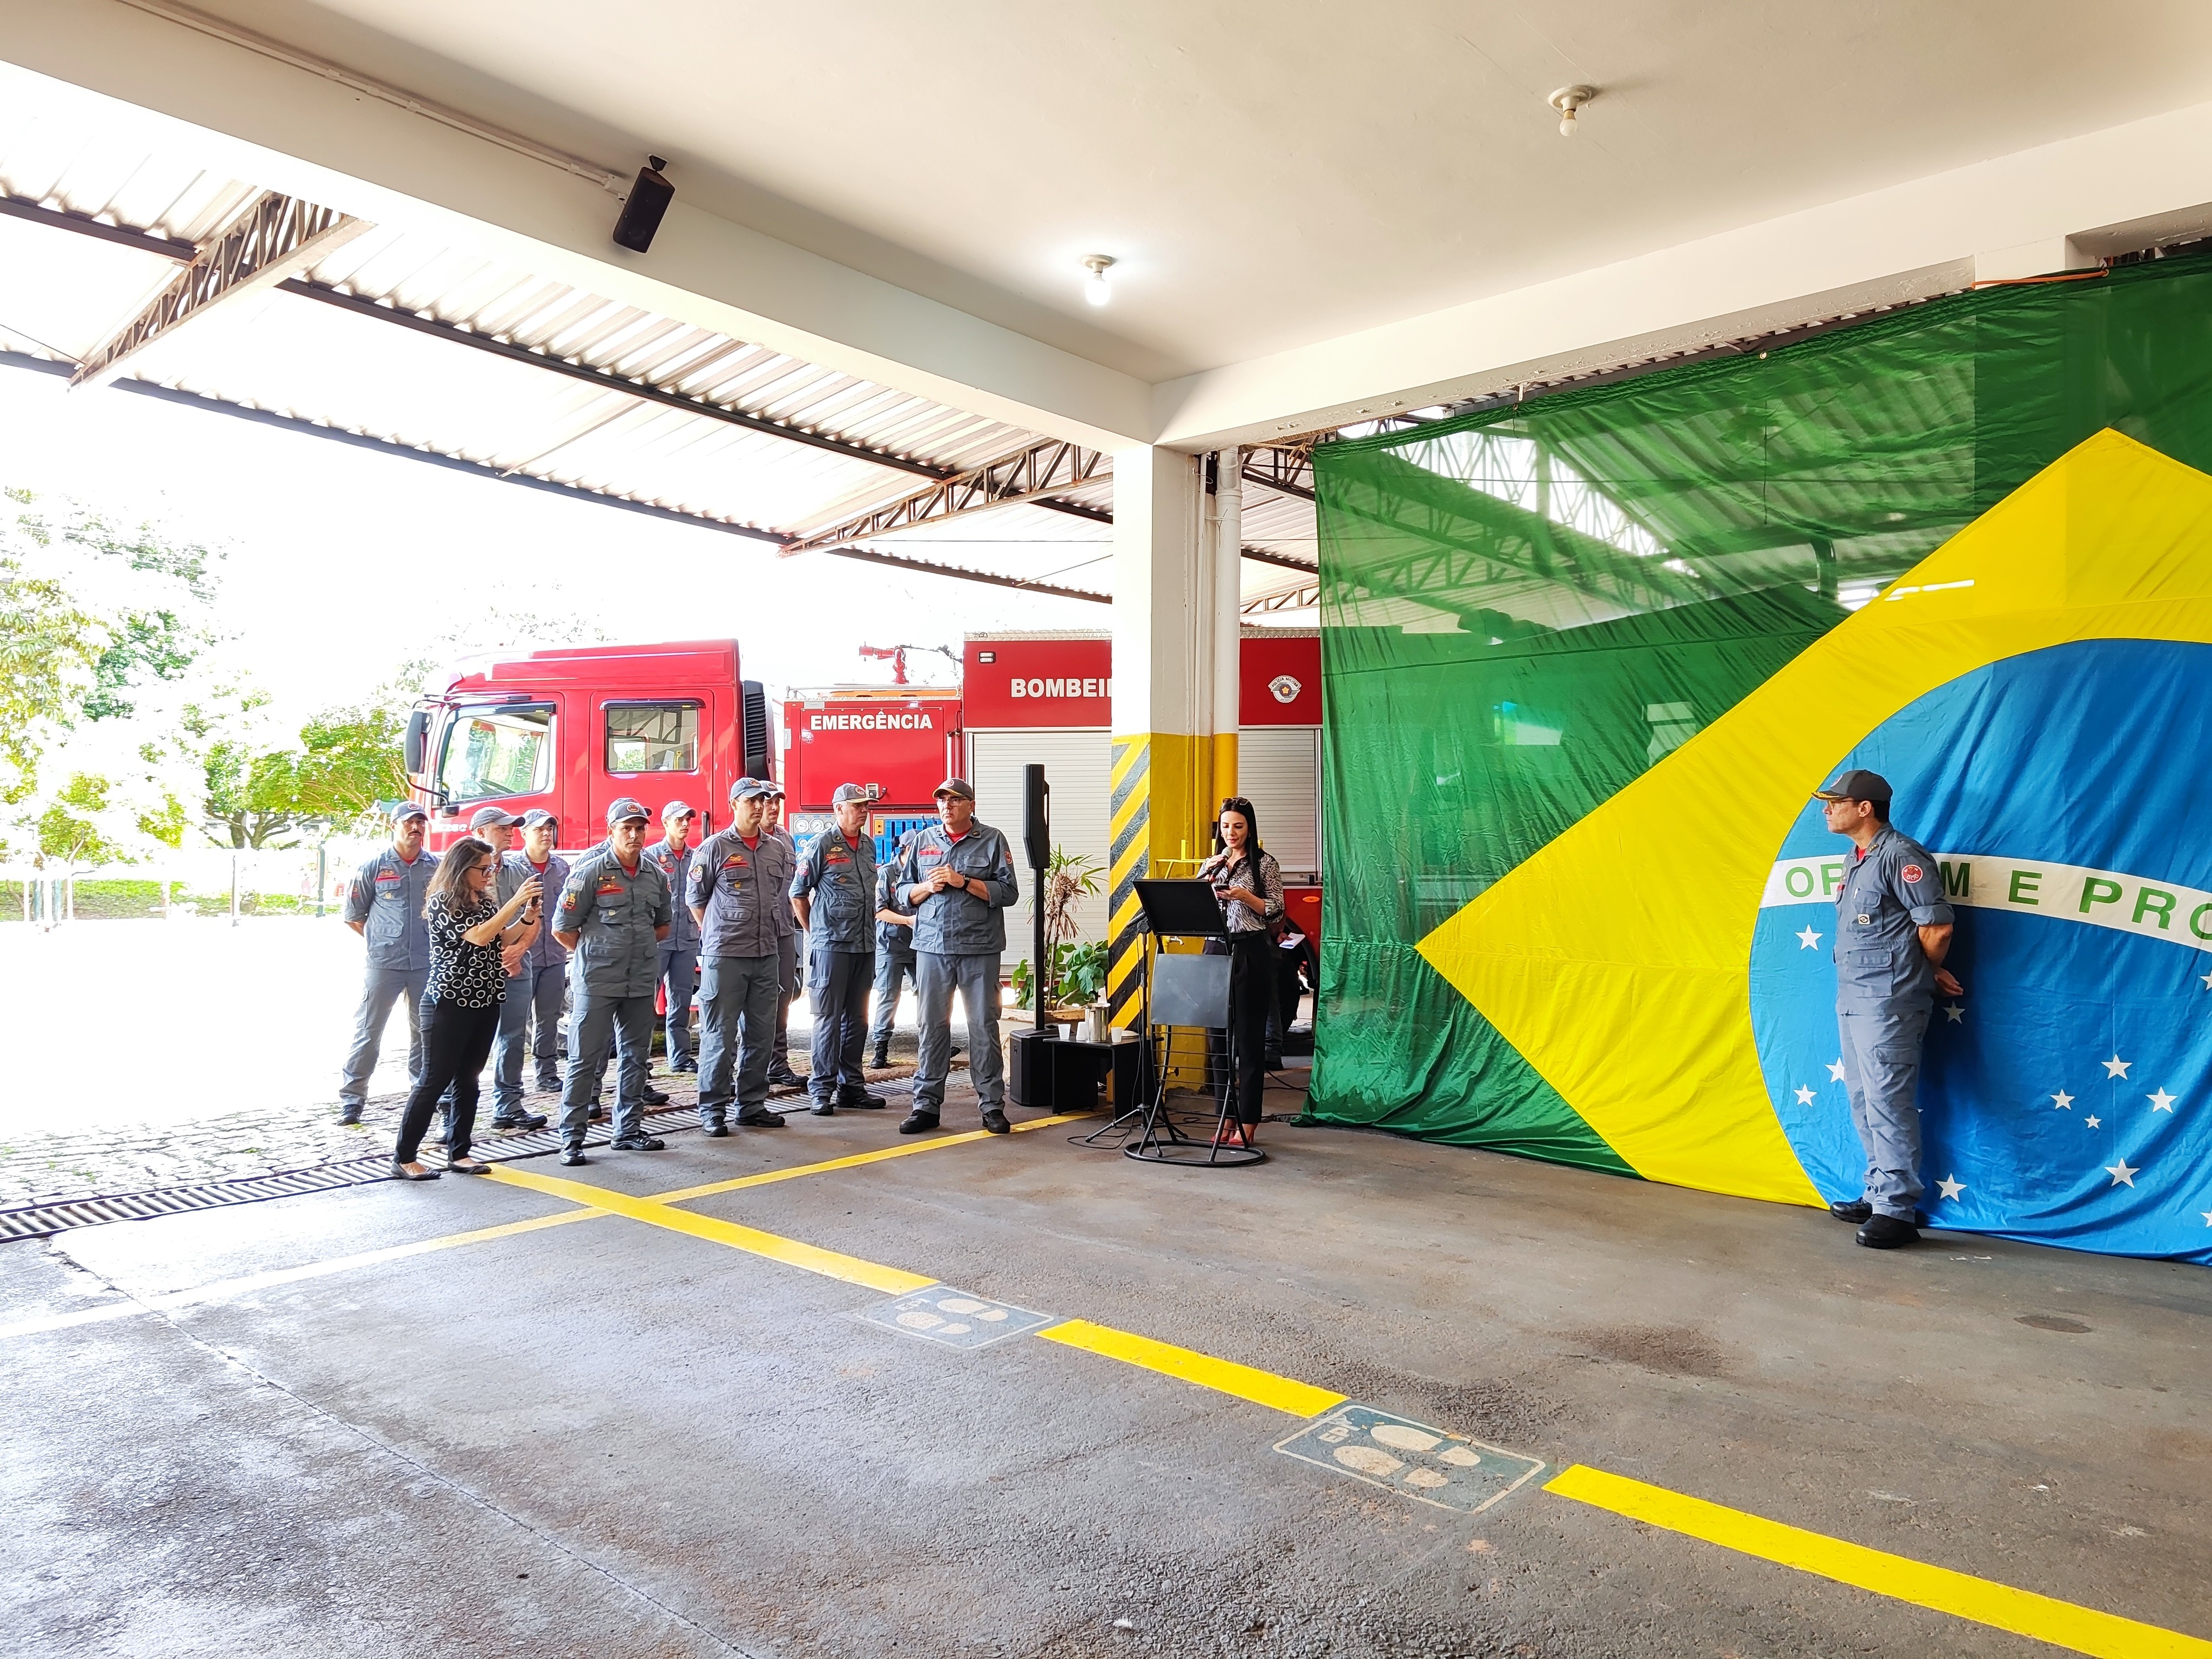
1269	174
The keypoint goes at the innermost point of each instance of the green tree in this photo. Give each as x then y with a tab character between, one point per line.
70	830
93	618
346	760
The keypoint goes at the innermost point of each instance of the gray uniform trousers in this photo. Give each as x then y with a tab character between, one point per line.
381	988
595	1022
976	978
738	997
532	994
787	958
837	983
1881	1073
529	1027
893	970
679	975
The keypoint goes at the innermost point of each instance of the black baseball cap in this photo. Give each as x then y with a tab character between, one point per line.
1856	785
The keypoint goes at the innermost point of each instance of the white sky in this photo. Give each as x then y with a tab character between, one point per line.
343	563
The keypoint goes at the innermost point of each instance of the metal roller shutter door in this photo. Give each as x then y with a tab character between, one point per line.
1078	765
1279	771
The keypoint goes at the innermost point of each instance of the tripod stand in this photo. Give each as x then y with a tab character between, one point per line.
1185	991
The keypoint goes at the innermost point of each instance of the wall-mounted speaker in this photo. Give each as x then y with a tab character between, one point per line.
642	214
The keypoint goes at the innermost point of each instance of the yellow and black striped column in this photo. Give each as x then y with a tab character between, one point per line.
1163	819
1175	615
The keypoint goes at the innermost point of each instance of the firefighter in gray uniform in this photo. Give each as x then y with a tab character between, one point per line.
958	875
613	914
789	947
679	951
894	955
740	883
385	906
538	987
1892	931
834	895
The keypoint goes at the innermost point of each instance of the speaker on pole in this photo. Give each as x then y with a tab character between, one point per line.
1036	833
1036	829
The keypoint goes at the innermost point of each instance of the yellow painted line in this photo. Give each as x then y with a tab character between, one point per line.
225	1289
2062	1623
830	1264
686	1195
1245	1382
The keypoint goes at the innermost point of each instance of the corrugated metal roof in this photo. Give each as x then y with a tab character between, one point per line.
330	365
290	354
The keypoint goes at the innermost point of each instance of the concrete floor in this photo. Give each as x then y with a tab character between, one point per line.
607	1438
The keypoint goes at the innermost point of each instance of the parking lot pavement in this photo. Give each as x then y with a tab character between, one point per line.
146	1054
830	1391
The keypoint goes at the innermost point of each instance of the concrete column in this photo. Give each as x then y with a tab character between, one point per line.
1225	526
1162	768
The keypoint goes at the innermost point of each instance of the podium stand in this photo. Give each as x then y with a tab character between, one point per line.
1185	991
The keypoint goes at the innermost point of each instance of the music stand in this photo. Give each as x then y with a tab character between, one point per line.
1186	991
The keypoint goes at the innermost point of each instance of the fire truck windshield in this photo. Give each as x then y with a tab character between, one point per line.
506	750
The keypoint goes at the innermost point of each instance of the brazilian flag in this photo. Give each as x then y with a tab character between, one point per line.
1587	657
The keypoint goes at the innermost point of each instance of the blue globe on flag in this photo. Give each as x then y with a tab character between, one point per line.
2066	1098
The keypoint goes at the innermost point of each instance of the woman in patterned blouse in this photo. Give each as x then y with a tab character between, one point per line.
1249	884
460	1004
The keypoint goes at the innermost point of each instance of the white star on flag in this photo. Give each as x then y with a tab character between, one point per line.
2121	1175
1804	1096
1953	1011
2207	1214
1809	940
2093	1121
2115	1066
2063	1100
2161	1102
2207	978
1836	1070
1952	1187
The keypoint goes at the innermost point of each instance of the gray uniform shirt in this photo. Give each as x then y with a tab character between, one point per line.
839	877
507	882
675	865
616	913
787	923
386	898
545	950
742	889
957	924
891	938
1889	894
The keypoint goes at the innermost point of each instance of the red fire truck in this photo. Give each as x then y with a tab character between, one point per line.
573	731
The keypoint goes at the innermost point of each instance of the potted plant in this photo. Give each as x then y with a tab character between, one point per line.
1070	975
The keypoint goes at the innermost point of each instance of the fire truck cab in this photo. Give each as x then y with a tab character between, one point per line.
572	731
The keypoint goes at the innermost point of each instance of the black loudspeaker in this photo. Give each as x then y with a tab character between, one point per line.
1036	825
642	214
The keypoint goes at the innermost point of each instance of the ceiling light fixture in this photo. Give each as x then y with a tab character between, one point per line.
1567	100
1098	287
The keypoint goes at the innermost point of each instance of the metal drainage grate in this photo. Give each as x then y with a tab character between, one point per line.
42	1220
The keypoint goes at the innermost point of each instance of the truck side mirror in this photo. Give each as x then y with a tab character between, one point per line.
418	729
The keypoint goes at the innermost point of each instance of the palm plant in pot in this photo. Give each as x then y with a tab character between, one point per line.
1075	973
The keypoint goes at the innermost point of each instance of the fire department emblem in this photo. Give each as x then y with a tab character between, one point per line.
1286	689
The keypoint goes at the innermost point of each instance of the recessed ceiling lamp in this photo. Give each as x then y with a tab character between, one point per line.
1567	100
1098	287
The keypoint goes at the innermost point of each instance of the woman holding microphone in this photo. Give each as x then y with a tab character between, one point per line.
1249	884
460	1004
